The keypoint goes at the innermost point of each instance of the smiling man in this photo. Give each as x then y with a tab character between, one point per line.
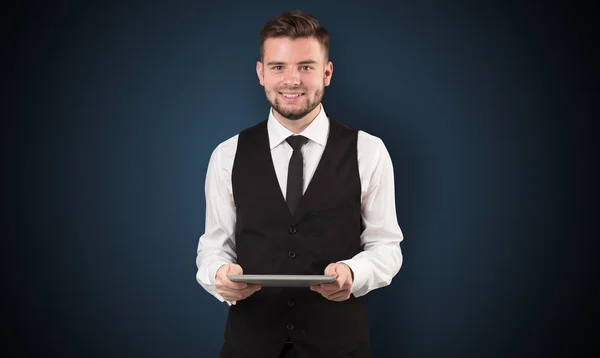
294	72
299	193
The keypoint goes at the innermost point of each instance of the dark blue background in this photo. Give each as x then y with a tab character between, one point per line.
113	111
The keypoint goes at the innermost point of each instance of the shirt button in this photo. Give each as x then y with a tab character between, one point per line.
292	230
291	303
292	254
290	327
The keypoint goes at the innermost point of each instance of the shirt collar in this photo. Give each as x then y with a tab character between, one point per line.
317	130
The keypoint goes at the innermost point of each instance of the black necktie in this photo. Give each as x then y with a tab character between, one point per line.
295	172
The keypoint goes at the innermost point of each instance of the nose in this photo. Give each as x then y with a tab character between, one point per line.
292	77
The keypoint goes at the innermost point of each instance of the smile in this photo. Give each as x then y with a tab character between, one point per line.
291	96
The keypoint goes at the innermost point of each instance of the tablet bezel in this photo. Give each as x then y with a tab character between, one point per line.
283	280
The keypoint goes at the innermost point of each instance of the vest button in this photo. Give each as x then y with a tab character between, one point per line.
292	230
289	327
292	254
291	303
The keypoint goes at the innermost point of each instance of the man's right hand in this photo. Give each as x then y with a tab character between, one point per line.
233	291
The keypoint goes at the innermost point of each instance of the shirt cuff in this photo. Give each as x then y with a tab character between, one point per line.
361	275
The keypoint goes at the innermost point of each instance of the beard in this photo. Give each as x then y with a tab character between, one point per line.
299	112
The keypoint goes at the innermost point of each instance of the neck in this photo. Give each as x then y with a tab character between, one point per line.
297	125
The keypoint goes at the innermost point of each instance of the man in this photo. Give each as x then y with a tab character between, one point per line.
298	193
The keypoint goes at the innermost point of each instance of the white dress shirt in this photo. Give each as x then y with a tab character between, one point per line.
373	268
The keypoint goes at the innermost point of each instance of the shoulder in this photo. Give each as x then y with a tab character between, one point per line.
365	140
372	152
369	141
225	151
223	154
226	147
371	148
259	127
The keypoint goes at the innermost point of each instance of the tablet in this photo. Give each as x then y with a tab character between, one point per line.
283	280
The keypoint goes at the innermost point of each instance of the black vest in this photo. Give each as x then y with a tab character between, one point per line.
326	228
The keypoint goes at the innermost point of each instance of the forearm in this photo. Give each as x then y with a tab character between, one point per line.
375	267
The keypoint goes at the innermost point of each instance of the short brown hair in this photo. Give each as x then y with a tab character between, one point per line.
294	24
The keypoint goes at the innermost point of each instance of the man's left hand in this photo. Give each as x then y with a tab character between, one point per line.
341	288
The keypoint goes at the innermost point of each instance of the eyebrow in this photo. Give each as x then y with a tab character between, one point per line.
279	63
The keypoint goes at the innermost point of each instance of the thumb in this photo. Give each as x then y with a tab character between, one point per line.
330	270
235	269
223	270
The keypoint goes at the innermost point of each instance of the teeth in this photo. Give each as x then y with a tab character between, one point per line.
291	95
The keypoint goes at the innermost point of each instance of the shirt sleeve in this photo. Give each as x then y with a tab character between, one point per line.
216	247
381	257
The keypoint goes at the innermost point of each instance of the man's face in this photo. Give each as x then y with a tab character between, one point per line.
294	73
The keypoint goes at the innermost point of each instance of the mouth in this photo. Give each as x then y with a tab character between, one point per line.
291	96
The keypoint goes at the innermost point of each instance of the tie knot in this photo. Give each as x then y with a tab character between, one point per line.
296	141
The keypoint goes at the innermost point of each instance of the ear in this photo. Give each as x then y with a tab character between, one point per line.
328	73
260	73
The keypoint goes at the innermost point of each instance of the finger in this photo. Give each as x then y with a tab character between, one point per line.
334	286
331	295
317	289
233	290
226	283
340	296
335	289
325	294
228	291
251	291
236	295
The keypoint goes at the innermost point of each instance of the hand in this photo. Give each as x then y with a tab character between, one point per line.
341	288
233	291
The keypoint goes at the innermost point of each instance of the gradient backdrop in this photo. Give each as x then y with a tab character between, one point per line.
114	109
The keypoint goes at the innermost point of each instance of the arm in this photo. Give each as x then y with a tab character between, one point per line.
381	259
216	247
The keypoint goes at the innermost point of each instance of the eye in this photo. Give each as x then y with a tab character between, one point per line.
306	68
277	68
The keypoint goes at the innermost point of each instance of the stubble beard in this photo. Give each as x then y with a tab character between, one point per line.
295	114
